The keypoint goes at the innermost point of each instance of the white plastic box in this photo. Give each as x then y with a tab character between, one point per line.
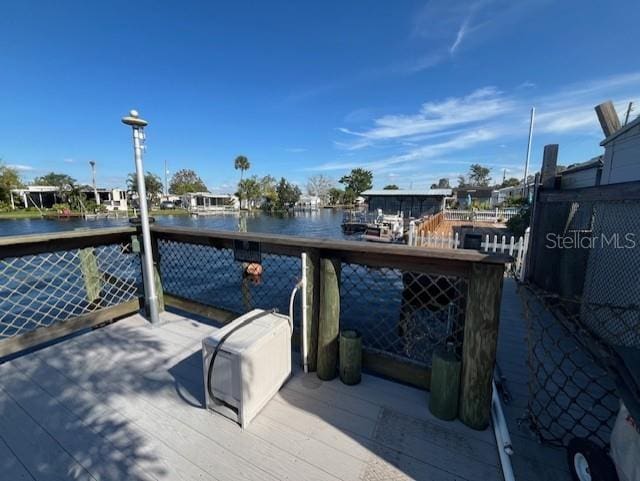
250	367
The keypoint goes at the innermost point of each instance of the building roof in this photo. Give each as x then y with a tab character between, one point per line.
408	192
208	194
620	131
471	190
596	162
38	188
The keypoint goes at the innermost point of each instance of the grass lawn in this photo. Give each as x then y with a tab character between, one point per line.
34	214
20	214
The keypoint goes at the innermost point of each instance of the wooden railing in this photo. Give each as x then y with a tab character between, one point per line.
490	215
352	284
427	224
514	247
382	290
52	285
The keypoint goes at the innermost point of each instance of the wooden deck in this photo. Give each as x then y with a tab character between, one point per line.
125	403
531	461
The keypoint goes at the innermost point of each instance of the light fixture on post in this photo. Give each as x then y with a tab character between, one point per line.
92	163
137	124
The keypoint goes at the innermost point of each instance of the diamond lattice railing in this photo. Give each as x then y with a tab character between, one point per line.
404	313
40	290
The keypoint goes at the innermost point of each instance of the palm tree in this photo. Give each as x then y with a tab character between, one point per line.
241	163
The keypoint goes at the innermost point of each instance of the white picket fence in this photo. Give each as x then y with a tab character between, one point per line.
481	215
516	248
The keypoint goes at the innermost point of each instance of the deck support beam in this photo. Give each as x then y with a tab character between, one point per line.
329	318
480	344
313	306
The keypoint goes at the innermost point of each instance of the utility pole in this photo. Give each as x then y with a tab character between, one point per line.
629	109
526	163
137	125
504	175
166	185
92	163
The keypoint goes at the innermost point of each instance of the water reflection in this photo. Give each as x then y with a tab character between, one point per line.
321	223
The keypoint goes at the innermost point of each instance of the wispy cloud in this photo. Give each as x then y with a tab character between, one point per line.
434	117
295	150
68	161
482	126
462	31
22	167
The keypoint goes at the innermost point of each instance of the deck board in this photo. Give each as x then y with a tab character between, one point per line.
125	402
531	460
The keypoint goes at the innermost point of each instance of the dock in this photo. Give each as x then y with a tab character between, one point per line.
113	397
126	402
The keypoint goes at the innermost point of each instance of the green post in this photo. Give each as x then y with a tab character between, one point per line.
136	247
329	323
157	278
90	274
445	384
313	302
350	357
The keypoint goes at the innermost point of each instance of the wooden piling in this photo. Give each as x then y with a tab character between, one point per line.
313	303
608	118
329	319
480	343
549	166
90	274
157	278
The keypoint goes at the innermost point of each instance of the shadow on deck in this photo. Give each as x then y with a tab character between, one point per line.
125	402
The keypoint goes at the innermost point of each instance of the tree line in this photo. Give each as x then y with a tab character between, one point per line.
477	176
265	192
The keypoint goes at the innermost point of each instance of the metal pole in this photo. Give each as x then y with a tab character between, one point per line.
137	124
526	164
92	163
166	186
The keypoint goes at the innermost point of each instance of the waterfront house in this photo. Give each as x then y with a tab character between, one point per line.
39	196
511	193
468	196
308	202
206	201
112	199
412	203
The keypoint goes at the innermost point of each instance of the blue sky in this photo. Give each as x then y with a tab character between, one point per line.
412	90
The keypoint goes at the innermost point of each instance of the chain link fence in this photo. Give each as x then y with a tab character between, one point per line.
42	289
397	312
581	305
211	276
407	314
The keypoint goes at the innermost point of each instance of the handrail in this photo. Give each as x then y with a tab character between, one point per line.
441	261
21	245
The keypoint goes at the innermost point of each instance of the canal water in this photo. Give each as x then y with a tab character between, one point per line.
322	223
372	299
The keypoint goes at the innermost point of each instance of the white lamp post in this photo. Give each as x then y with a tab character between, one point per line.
92	163
137	124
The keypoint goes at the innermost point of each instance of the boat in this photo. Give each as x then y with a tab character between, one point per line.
355	221
386	229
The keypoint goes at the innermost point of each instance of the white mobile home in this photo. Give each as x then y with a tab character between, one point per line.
206	201
112	199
